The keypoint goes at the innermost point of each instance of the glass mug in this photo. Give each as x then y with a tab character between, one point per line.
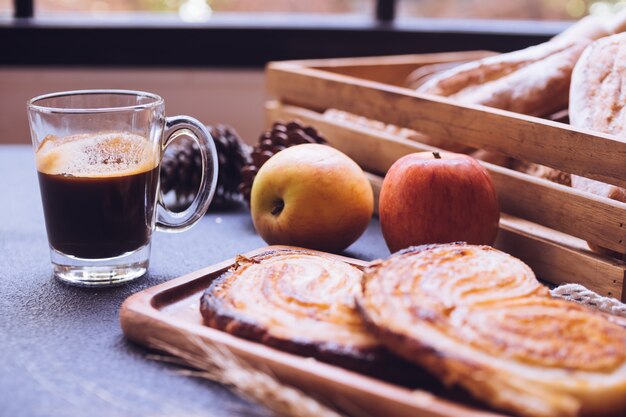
98	154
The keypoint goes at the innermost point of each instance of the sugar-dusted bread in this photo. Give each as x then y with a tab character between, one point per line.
597	100
297	301
477	317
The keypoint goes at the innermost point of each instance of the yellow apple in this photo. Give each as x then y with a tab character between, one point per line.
311	196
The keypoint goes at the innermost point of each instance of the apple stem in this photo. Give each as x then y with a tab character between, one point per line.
436	155
279	205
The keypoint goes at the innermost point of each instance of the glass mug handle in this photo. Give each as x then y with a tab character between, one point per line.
176	126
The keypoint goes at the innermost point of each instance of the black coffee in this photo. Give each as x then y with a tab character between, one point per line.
98	194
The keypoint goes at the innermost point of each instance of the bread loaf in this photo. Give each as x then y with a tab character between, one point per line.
589	27
597	102
533	81
597	98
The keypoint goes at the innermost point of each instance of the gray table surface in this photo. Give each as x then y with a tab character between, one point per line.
62	352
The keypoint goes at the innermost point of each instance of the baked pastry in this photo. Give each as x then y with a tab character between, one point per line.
597	101
530	168
294	300
360	121
478	318
592	27
421	75
533	81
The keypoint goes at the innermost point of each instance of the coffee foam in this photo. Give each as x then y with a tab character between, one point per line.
96	155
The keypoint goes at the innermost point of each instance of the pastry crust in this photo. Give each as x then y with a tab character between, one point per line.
478	318
297	301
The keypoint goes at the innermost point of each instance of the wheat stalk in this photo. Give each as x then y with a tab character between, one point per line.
220	365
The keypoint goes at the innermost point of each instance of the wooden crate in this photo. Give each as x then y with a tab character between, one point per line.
543	223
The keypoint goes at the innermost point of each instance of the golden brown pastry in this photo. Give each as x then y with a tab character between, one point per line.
297	301
478	318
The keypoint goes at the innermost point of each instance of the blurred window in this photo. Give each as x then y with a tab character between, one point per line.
6	8
508	9
203	7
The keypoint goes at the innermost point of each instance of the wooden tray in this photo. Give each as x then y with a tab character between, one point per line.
169	313
546	224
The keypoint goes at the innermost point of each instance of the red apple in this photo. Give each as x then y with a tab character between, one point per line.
312	196
438	197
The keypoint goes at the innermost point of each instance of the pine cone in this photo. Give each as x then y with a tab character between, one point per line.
232	154
182	165
180	171
281	136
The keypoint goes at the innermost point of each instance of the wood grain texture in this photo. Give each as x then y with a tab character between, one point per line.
559	207
383	62
169	314
561	259
544	142
554	256
391	69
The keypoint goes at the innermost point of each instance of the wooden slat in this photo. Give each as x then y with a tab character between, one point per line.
562	208
553	256
390	60
560	263
392	69
598	156
167	317
575	212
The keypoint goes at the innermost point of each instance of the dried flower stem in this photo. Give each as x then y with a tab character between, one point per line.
220	365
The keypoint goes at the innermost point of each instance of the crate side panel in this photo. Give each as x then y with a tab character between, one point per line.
562	208
597	156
